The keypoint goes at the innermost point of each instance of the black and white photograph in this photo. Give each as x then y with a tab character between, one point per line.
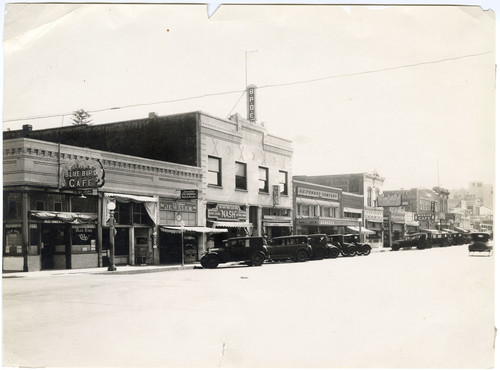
248	185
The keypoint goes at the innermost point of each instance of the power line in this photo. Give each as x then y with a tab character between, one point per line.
261	87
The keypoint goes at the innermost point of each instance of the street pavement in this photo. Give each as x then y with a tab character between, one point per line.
422	309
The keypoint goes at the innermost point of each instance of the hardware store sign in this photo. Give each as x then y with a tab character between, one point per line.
82	174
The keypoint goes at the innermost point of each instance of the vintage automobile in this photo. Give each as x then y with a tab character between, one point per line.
459	238
294	247
251	250
321	247
362	249
481	243
418	240
440	239
347	249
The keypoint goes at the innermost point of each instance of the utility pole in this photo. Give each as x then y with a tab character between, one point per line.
247	52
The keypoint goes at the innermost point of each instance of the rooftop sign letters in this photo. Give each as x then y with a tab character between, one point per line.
82	174
251	103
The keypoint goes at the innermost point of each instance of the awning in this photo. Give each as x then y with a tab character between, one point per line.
197	229
352	210
412	223
449	231
68	217
433	231
307	201
277	224
151	204
462	230
232	224
363	230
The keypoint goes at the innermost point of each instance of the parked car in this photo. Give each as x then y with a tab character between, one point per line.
294	247
459	238
418	240
481	243
251	250
440	239
346	248
321	247
362	249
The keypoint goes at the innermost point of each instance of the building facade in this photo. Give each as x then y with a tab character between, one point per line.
183	180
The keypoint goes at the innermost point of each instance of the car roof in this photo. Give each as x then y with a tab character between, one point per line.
289	236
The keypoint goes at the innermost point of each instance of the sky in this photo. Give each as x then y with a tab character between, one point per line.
406	91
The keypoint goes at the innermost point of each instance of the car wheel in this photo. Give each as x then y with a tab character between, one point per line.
352	251
344	253
319	254
366	250
203	262
395	247
302	256
421	245
334	252
258	259
211	262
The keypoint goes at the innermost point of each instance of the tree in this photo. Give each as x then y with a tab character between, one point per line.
81	117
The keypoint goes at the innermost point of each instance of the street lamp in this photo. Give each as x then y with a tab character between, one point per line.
111	209
359	222
182	241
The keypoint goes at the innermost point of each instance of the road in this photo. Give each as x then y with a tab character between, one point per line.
423	309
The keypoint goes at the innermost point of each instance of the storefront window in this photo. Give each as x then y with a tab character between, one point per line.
122	215
140	216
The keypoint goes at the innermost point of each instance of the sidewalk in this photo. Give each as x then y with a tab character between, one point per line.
120	270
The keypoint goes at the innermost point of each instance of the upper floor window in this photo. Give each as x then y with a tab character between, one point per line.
369	197
40	205
214	171
264	179
241	176
283	183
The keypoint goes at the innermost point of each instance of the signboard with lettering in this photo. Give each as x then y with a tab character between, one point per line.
317	193
424	217
251	103
82	174
189	194
178	206
276	195
389	200
226	212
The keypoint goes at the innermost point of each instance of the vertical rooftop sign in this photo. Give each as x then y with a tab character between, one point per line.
251	103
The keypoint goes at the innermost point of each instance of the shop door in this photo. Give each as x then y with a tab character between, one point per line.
122	245
52	236
141	246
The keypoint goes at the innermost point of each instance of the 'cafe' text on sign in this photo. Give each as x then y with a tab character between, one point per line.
82	174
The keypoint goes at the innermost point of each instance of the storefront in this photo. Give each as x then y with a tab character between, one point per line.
233	217
276	222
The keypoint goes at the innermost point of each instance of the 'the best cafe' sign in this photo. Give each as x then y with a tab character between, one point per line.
82	174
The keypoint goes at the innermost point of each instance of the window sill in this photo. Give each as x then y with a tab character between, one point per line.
241	190
215	186
263	192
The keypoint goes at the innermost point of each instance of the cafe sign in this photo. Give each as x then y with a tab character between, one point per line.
82	174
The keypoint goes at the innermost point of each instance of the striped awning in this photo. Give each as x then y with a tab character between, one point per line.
196	229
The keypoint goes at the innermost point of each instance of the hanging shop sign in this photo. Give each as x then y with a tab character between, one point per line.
226	212
82	174
424	217
189	194
276	195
